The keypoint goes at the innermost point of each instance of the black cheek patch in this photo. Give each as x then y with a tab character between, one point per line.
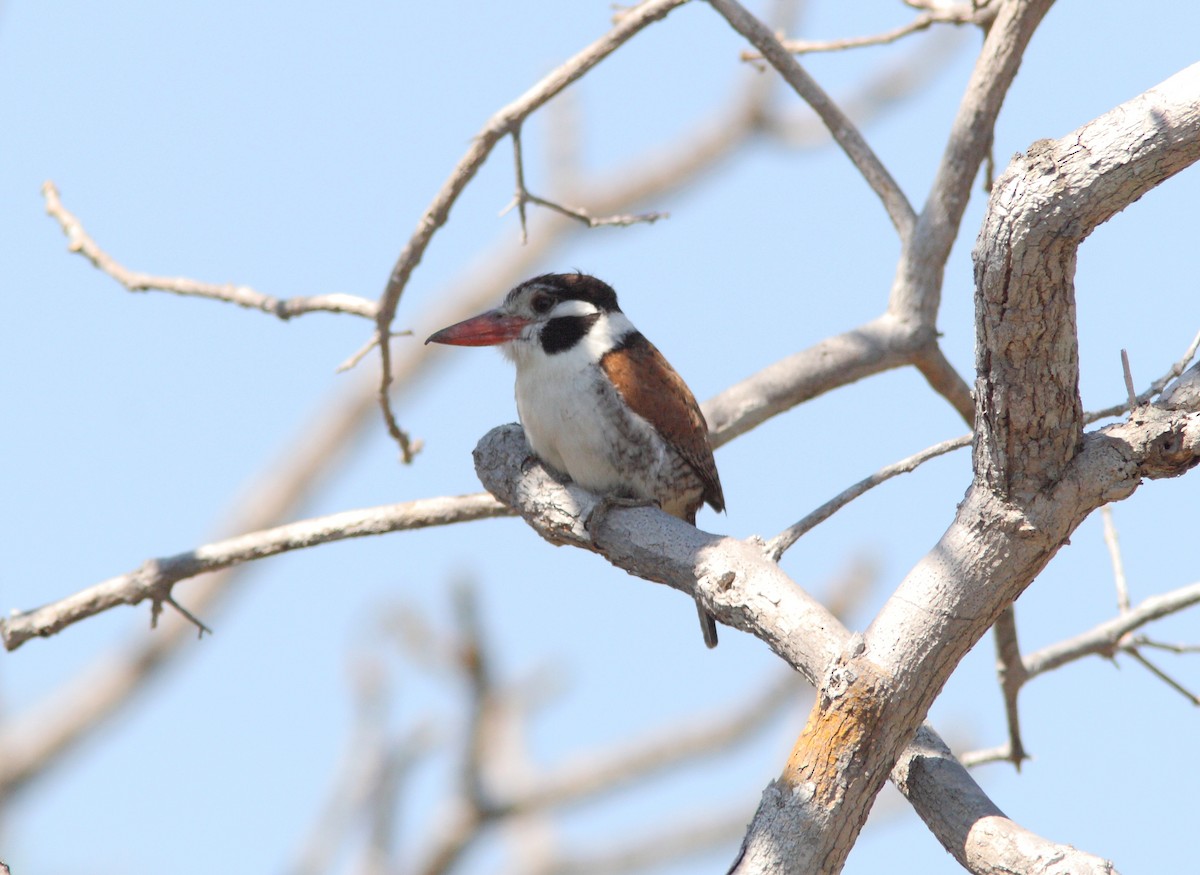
559	335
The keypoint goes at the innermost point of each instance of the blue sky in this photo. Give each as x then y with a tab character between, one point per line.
294	152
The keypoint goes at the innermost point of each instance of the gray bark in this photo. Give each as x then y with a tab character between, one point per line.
1037	477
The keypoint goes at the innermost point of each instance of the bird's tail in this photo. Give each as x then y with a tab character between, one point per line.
708	625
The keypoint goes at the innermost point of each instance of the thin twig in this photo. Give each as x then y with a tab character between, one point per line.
1164	677
408	450
523	196
999	754
1143	641
1156	387
154	579
1104	640
591	221
1012	674
1130	392
1114	555
244	296
959	15
358	356
778	545
169	599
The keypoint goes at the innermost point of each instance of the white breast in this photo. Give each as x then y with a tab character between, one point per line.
575	421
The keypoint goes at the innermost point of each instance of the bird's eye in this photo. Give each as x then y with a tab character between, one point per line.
541	303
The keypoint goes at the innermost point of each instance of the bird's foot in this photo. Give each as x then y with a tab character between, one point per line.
607	503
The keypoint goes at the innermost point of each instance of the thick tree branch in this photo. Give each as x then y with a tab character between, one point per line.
877	346
740	586
916	290
1024	504
1048	201
985	841
907	333
744	589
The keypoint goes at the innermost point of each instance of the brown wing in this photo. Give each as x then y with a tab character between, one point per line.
655	392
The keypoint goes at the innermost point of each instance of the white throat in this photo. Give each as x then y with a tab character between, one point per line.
566	402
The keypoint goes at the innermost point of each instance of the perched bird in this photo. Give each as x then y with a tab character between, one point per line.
598	402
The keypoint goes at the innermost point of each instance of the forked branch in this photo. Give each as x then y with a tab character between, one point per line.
498	126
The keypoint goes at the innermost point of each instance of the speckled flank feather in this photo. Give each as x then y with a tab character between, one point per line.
655	392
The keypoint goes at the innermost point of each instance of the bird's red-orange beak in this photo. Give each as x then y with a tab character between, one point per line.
486	329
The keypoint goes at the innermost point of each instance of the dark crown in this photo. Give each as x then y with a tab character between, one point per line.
573	287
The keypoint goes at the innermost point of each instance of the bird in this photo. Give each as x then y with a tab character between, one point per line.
599	404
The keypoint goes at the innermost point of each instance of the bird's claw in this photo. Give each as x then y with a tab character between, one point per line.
607	503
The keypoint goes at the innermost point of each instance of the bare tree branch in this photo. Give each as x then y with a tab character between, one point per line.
1036	477
155	578
879	345
366	782
78	240
40	735
1163	676
966	13
971	828
1106	639
780	543
491	792
744	589
907	333
698	737
916	289
1012	670
844	132
1114	554
1013	676
385	369
523	196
